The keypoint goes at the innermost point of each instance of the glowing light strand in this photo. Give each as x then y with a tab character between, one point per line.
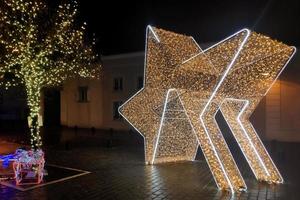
40	51
202	81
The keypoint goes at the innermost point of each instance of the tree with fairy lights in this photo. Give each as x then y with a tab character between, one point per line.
42	48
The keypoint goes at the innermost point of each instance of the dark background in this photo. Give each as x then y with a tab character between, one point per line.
119	26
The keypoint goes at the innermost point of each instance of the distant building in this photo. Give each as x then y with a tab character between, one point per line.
94	103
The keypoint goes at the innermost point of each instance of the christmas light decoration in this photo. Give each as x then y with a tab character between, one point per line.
185	86
253	74
160	44
29	166
40	49
6	165
6	159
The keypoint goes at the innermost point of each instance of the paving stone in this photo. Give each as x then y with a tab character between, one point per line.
120	173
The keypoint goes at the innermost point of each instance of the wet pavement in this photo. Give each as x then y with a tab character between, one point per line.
119	172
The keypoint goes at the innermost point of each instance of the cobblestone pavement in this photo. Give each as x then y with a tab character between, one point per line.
120	173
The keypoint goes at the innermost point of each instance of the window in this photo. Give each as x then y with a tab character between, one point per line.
82	94
116	114
118	84
140	82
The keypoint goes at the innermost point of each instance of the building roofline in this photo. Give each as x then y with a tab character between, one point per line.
135	54
142	53
123	55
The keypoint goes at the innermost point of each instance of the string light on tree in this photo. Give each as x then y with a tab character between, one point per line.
40	49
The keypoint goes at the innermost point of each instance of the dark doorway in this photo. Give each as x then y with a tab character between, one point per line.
51	129
51	108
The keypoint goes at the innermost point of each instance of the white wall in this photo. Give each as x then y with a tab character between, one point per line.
82	114
98	112
283	112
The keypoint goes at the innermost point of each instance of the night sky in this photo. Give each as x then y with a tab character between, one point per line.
119	26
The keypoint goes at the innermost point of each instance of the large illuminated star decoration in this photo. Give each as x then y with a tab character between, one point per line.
184	88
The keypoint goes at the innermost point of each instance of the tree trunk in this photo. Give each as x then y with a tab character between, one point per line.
33	101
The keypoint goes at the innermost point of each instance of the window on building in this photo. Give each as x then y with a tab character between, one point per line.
116	105
82	94
140	82
118	84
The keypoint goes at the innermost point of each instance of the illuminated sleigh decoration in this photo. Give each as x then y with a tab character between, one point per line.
29	167
6	167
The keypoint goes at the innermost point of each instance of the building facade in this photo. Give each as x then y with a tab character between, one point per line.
90	103
94	103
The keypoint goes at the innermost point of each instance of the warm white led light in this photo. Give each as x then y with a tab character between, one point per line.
156	86
39	52
184	87
250	79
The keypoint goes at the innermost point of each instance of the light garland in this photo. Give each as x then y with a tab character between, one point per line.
26	163
6	159
29	163
185	87
41	53
160	45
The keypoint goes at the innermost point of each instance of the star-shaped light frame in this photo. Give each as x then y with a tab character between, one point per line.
184	88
